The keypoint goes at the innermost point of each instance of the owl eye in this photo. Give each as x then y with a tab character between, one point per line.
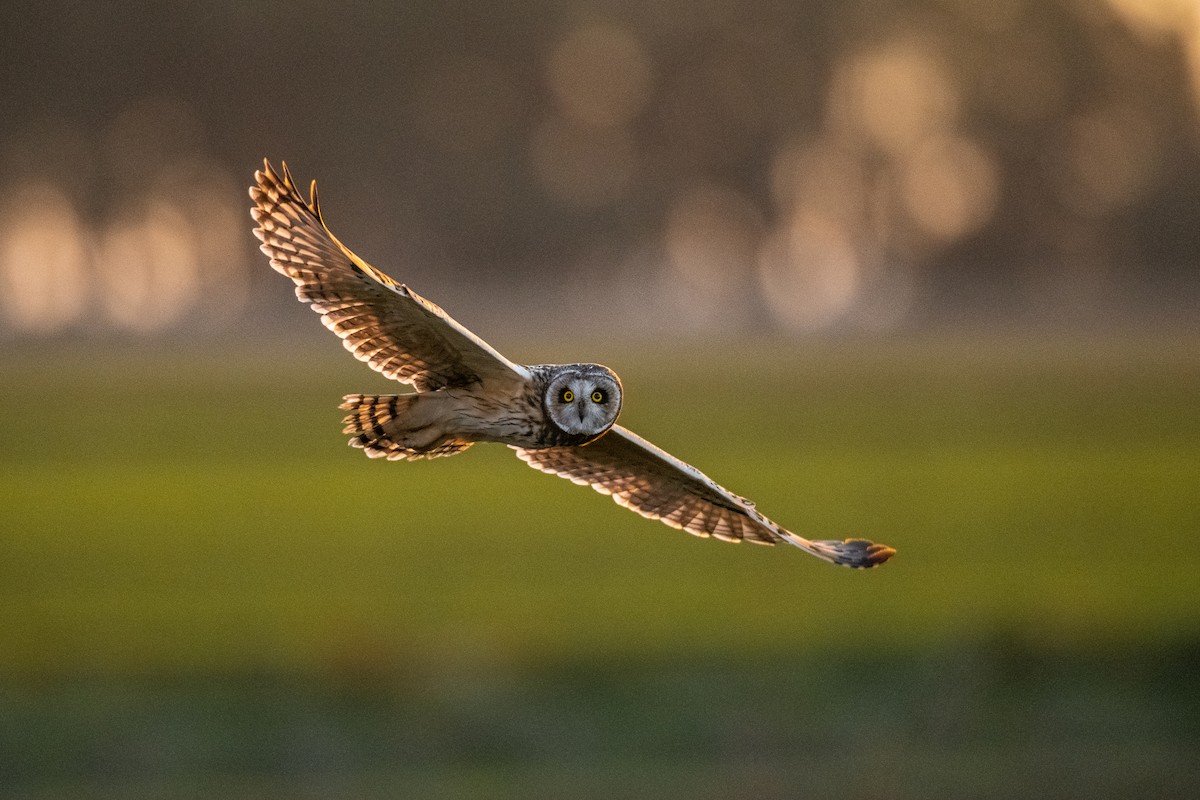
567	395
597	396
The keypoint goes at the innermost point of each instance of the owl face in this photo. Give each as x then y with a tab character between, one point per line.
583	399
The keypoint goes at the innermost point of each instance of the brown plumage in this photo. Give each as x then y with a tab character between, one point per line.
560	418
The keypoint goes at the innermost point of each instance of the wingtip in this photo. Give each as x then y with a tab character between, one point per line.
314	202
860	553
853	553
261	177
287	176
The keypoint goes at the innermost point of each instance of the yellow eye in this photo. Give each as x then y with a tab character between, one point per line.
597	396
567	396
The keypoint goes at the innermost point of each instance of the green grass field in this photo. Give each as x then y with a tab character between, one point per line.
181	531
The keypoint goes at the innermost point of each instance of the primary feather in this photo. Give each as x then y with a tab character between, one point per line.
655	484
382	322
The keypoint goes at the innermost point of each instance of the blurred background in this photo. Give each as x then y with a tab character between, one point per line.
925	272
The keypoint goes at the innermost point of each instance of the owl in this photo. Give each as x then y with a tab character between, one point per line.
559	418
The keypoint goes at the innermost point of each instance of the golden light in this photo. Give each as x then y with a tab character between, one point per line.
147	269
711	238
209	197
1111	160
43	260
1156	17
895	96
824	175
1192	42
600	75
809	272
950	186
1159	18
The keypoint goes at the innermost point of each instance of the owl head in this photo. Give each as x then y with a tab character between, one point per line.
583	399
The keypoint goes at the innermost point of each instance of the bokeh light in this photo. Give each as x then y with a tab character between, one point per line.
1111	160
950	187
711	238
826	174
600	75
43	260
548	146
147	268
809	272
895	96
167	250
1167	19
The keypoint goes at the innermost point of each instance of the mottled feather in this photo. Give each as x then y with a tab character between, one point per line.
468	392
655	484
380	426
382	322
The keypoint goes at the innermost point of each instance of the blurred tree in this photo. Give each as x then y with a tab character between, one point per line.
824	164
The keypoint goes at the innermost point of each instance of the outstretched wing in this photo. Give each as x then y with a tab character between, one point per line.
384	323
655	484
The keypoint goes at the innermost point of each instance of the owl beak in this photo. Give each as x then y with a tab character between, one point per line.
579	407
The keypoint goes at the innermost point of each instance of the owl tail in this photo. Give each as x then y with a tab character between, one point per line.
399	426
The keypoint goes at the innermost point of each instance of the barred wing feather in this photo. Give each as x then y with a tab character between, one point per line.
655	484
383	323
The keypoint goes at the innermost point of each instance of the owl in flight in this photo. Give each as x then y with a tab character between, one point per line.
560	418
